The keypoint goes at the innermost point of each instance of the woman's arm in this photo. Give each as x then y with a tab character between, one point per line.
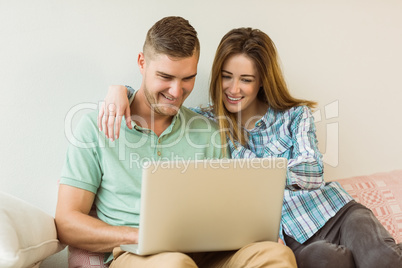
118	102
305	168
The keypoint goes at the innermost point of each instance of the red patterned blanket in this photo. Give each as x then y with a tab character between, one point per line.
382	193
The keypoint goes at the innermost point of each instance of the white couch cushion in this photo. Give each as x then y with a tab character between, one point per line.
27	234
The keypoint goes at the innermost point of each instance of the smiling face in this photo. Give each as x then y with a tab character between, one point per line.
167	82
240	85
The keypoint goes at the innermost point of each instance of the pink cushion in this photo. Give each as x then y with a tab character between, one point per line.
79	258
382	193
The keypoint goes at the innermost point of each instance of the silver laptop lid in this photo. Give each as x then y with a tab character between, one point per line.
210	205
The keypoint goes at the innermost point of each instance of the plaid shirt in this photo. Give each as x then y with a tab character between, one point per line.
308	202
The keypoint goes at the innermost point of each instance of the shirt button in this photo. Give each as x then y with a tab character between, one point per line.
159	141
159	153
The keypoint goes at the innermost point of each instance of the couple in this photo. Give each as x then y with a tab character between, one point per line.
257	117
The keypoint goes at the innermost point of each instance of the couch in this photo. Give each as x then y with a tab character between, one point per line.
29	247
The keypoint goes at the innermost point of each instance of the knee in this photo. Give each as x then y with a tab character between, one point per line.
269	254
324	254
176	260
278	249
388	256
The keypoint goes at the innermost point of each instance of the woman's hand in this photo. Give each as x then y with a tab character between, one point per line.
112	110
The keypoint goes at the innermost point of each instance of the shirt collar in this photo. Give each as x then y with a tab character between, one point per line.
265	120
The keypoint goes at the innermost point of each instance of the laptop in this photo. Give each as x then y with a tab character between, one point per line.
209	205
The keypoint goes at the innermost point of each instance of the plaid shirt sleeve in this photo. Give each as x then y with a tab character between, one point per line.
305	166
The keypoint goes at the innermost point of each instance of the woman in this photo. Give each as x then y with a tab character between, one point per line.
259	118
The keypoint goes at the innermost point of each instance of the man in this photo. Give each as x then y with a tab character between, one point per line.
108	173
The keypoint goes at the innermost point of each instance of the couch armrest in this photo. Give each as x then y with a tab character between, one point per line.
27	234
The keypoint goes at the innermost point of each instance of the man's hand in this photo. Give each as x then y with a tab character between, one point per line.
112	110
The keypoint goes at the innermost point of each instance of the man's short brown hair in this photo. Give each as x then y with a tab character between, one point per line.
172	36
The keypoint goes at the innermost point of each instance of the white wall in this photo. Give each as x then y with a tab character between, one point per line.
56	54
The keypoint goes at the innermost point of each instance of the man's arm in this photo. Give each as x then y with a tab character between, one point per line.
76	228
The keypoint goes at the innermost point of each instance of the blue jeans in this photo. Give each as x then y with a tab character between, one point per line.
352	238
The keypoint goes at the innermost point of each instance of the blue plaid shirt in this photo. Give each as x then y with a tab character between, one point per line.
308	202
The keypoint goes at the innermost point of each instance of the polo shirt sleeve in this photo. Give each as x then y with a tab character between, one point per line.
82	165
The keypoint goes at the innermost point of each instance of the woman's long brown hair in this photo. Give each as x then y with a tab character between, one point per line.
258	47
